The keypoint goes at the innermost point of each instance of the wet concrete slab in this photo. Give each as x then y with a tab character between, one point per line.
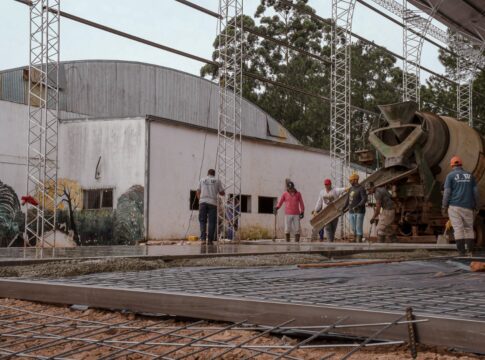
196	249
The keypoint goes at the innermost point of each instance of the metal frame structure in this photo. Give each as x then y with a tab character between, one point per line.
469	57
229	150
28	331
43	122
342	14
416	25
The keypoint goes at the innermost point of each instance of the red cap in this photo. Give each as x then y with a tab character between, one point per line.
456	161
327	182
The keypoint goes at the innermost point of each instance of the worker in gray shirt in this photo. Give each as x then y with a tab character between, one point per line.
384	213
209	188
460	201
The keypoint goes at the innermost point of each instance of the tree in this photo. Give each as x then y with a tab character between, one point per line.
375	78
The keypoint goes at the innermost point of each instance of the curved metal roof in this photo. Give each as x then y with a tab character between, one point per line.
112	88
465	16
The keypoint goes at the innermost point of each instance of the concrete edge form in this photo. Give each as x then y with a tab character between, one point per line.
467	335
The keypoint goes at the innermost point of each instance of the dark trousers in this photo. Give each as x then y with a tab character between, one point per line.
208	213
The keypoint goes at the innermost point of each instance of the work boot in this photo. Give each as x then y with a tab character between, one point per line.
287	237
470	244
297	237
381	238
460	246
358	238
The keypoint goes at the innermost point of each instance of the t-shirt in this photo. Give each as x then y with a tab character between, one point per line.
293	203
382	195
209	187
326	197
357	199
460	189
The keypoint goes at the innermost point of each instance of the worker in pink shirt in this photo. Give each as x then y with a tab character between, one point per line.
294	210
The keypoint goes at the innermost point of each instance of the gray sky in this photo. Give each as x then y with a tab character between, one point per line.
165	21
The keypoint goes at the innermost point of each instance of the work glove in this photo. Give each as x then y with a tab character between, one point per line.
275	210
444	211
302	215
373	221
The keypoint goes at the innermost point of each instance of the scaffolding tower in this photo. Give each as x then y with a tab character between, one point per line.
342	14
43	104
469	58
416	25
229	151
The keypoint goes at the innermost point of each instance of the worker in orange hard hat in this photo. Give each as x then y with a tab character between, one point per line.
460	201
356	206
327	195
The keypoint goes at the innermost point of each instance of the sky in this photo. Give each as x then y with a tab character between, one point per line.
167	22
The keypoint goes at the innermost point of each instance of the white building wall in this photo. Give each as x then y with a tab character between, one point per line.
177	155
119	142
14	130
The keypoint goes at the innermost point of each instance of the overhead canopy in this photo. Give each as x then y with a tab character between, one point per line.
465	16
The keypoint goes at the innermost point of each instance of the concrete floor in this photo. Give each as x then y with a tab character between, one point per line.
193	249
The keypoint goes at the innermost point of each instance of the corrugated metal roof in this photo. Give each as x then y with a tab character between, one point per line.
111	88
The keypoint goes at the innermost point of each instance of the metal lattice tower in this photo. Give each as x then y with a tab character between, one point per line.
229	152
416	24
342	14
43	122
469	57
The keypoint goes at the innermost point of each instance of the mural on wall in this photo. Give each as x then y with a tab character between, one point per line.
11	216
129	222
105	226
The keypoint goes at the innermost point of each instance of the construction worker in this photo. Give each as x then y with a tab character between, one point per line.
207	192
384	213
356	206
460	200
294	211
327	196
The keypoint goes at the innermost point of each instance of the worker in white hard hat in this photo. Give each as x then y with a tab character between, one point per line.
460	200
327	195
356	206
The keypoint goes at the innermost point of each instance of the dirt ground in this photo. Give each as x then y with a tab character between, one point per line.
52	321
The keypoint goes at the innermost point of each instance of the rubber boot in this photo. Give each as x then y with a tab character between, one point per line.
297	237
470	244
381	238
287	237
460	246
358	238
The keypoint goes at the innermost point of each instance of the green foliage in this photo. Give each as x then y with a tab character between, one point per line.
375	78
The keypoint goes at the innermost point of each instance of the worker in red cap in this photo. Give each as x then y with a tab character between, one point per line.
460	200
327	196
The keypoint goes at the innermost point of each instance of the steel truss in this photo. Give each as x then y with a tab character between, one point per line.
416	25
229	151
43	122
469	57
342	14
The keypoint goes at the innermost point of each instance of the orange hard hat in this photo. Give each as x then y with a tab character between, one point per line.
456	161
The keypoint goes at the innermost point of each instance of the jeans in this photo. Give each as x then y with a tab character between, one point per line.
330	230
208	213
357	223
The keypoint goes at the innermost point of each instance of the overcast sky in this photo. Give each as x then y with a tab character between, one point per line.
165	21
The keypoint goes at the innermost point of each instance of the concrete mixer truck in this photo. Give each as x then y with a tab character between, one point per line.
416	148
